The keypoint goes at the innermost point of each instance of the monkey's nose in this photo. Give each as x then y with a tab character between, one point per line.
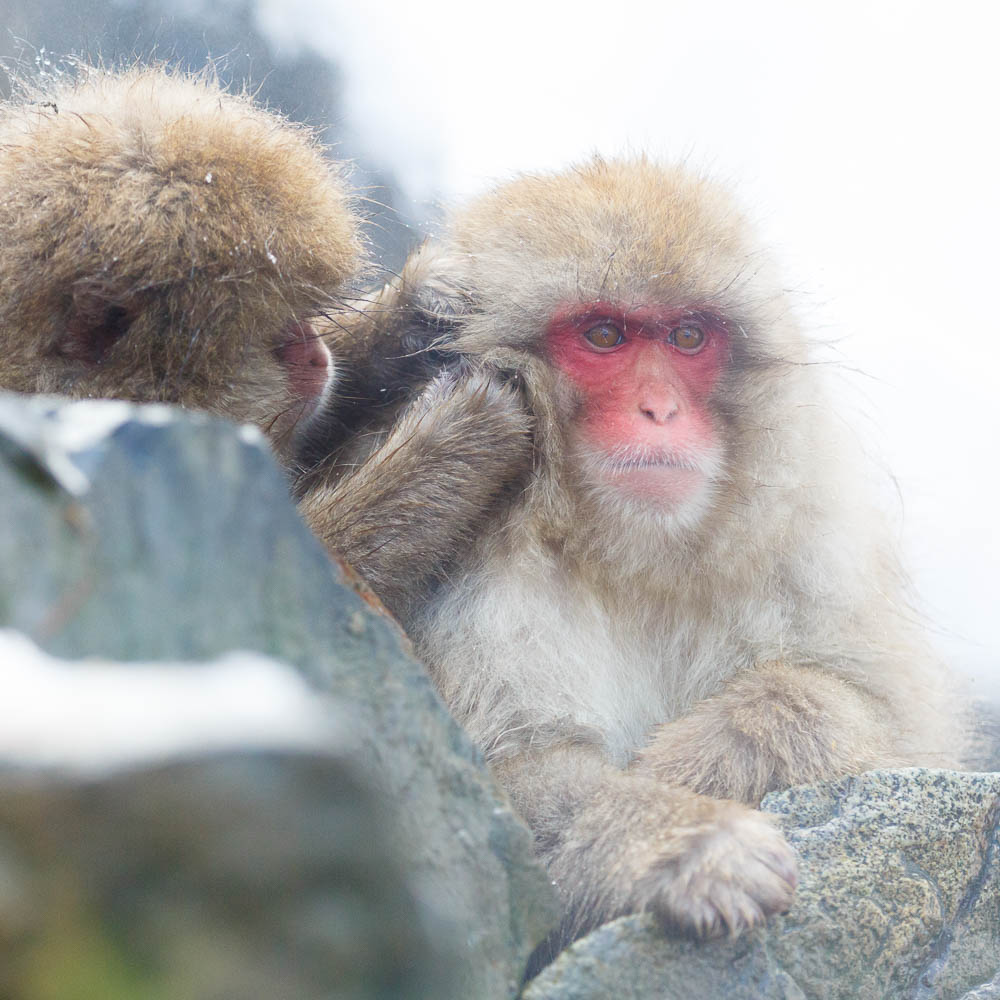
306	359
659	408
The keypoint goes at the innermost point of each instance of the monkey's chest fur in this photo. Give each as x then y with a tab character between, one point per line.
527	655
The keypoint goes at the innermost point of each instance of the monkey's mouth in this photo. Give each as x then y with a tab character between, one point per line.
309	377
660	476
306	360
627	459
652	462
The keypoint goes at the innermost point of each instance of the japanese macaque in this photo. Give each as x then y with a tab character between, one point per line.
690	603
166	241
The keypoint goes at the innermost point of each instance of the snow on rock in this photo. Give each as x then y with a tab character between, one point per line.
94	714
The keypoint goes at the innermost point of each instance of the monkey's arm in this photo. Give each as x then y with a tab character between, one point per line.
617	842
402	512
772	727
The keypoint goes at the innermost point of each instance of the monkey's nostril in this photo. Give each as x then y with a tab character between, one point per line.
659	413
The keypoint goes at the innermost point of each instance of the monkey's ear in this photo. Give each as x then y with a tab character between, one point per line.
96	321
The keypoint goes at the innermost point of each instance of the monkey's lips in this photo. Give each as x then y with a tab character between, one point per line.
662	482
306	359
309	377
658	476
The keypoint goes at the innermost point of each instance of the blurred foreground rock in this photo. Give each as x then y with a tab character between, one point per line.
193	833
146	534
899	897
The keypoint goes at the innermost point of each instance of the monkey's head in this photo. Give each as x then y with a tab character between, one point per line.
166	241
646	326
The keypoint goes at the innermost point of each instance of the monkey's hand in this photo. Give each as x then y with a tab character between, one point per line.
403	512
771	727
712	867
616	842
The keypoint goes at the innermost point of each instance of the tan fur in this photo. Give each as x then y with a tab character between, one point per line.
399	487
404	507
157	201
618	664
191	228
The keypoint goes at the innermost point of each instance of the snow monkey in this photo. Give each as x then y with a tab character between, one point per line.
164	240
167	241
690	602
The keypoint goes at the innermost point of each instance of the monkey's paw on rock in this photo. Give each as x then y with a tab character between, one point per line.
728	878
898	897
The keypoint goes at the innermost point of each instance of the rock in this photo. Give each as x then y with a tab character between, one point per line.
145	533
988	991
899	897
217	828
205	833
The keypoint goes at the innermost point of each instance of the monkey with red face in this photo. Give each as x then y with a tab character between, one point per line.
690	603
651	600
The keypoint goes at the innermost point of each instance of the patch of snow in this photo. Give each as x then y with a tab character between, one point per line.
251	434
98	715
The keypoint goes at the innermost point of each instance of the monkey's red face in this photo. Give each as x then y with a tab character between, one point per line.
645	377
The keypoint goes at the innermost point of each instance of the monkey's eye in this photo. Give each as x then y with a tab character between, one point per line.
688	339
604	336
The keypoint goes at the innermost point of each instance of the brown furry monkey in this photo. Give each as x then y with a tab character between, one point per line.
164	240
691	602
167	241
400	486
